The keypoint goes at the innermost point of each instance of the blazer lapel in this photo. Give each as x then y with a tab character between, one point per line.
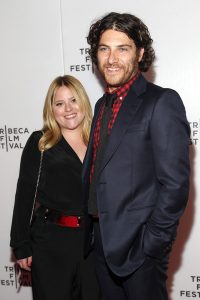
125	117
88	156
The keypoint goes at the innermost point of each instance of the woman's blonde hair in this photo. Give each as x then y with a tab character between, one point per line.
51	130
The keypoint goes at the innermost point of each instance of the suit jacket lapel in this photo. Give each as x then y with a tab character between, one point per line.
88	157
125	117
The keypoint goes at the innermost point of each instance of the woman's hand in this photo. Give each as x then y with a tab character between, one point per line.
25	263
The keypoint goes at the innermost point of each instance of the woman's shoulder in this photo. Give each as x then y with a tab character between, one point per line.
36	135
34	139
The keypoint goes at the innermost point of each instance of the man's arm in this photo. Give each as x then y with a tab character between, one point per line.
170	145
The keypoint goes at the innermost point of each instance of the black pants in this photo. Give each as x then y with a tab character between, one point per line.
146	283
59	271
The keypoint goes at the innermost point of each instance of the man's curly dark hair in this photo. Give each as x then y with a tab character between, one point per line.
130	25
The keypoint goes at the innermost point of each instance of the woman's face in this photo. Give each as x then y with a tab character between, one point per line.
66	110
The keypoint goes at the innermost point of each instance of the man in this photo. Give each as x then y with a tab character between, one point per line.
136	171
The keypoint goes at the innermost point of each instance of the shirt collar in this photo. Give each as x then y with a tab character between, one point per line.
123	89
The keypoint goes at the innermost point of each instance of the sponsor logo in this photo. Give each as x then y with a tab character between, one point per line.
14	277
85	63
12	138
195	133
195	291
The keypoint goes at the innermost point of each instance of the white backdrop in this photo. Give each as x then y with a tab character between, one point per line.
42	39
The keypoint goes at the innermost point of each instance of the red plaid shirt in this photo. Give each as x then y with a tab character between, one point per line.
121	92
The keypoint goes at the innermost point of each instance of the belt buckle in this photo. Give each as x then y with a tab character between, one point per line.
46	214
80	220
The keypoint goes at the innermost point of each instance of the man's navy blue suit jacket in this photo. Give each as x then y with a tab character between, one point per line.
142	185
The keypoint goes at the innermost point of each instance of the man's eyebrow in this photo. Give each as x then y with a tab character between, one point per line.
124	45
102	45
118	46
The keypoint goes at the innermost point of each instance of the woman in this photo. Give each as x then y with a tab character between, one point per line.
52	247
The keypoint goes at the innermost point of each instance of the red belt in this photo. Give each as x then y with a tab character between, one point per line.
55	217
69	221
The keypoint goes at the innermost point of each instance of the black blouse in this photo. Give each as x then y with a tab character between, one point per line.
60	187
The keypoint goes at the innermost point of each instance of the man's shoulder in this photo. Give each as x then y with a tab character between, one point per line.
163	98
100	100
142	86
98	104
159	89
151	85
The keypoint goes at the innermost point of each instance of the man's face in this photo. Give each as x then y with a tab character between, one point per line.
117	58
